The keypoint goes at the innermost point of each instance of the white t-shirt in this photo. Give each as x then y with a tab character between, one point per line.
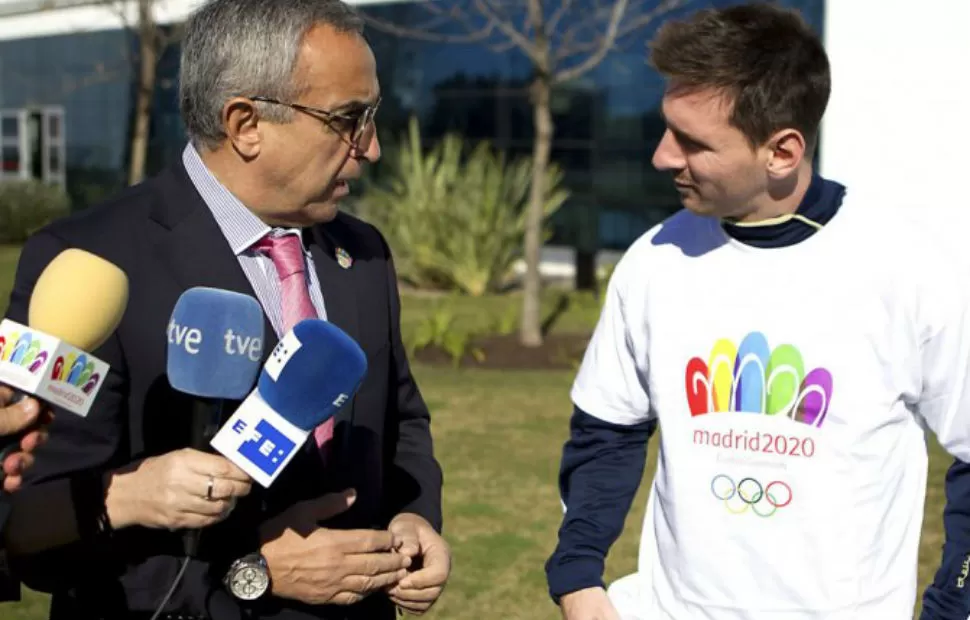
792	387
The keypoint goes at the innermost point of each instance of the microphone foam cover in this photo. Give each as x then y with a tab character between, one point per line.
79	298
215	343
314	371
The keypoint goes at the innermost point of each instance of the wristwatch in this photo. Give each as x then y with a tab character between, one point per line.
248	577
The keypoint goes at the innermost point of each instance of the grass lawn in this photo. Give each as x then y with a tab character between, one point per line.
498	435
8	263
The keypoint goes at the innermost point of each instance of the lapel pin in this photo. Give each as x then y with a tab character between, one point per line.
344	259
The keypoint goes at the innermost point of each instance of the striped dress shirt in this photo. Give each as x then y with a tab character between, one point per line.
242	229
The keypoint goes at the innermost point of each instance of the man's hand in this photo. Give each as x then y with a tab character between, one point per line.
417	592
14	419
319	566
588	604
171	491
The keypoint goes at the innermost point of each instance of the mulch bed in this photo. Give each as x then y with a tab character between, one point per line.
558	351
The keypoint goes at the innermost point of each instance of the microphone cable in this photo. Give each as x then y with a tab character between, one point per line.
204	435
171	590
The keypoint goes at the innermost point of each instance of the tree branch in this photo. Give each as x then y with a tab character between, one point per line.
420	34
557	15
529	48
572	42
429	31
503	47
584	37
500	31
640	21
569	49
619	8
613	33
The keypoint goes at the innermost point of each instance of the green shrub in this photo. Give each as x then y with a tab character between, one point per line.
455	216
26	206
439	329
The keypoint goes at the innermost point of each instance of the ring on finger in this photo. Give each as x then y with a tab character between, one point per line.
208	491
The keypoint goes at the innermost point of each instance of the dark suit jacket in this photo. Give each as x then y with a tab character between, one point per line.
165	238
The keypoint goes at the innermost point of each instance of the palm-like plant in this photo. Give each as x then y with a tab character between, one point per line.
455	218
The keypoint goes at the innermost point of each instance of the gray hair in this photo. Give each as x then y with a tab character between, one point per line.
248	48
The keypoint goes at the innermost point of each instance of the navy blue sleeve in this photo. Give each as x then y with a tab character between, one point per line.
948	597
602	465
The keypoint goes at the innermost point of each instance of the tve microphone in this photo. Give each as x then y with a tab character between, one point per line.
215	345
314	371
76	304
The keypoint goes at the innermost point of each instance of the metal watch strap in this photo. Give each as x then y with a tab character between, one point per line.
251	559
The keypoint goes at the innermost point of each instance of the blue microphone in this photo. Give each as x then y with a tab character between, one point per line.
215	345
326	365
311	374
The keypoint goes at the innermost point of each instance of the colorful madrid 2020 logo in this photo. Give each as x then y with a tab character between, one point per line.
25	350
753	378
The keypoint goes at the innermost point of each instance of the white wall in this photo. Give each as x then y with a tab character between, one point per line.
105	15
898	123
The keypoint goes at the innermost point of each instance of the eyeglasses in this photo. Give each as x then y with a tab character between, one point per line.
355	124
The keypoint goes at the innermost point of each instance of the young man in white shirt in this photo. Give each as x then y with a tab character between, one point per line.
794	347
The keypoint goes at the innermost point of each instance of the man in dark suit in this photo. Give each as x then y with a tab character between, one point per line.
278	97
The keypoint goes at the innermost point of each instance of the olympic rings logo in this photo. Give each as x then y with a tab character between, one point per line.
749	493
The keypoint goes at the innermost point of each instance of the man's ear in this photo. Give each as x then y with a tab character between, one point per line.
787	149
240	120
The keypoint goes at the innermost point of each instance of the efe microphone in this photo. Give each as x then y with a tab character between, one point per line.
215	346
312	373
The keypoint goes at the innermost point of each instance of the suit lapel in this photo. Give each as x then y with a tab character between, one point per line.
191	245
338	283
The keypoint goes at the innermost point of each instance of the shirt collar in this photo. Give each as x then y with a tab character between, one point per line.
240	226
820	204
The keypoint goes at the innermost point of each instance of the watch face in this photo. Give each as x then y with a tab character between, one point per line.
249	582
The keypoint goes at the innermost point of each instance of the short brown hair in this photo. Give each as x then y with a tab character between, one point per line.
766	59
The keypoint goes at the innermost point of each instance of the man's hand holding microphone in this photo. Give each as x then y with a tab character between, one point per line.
172	491
215	346
15	418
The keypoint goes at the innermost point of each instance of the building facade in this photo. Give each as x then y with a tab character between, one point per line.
76	56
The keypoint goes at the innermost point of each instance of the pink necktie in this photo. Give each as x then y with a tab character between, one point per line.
286	252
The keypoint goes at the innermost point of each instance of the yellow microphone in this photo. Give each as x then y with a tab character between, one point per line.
76	305
79	298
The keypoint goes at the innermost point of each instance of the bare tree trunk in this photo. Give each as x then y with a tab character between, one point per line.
531	328
147	66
